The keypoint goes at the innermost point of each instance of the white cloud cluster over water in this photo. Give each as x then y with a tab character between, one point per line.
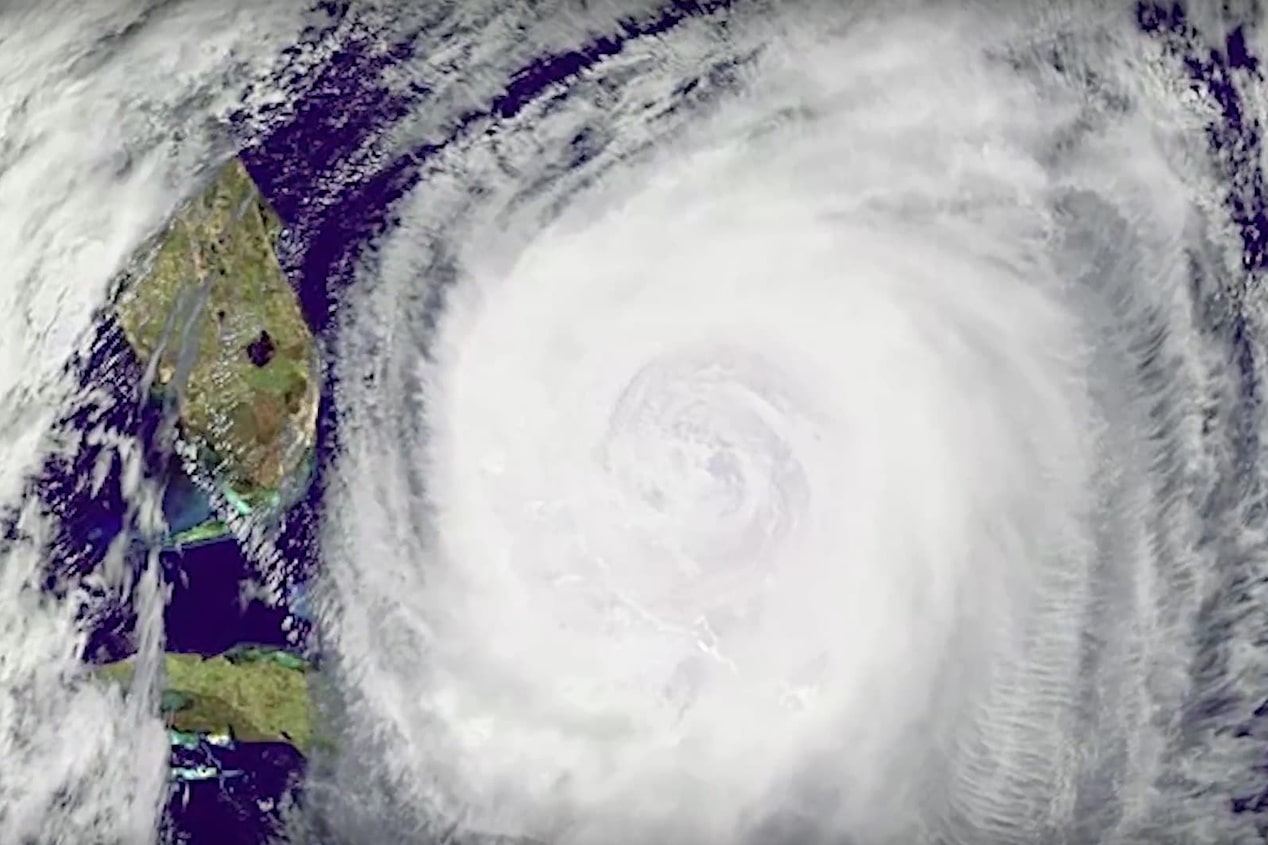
822	461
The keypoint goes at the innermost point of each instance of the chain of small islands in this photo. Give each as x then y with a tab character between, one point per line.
208	310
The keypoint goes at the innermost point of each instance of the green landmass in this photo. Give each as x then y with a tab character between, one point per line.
211	310
250	694
206	532
208	309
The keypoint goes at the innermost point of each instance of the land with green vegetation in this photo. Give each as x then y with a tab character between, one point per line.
251	695
210	311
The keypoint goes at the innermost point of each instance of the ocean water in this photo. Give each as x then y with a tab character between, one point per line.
743	421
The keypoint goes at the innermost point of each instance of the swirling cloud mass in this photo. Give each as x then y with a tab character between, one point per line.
845	453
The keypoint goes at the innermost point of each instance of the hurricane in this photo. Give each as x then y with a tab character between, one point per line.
824	424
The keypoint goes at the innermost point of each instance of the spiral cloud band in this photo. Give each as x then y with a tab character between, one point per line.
826	467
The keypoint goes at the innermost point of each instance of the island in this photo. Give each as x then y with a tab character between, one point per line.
247	694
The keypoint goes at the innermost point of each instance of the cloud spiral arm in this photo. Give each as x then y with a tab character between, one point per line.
829	461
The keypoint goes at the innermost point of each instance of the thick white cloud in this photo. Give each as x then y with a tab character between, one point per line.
824	460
